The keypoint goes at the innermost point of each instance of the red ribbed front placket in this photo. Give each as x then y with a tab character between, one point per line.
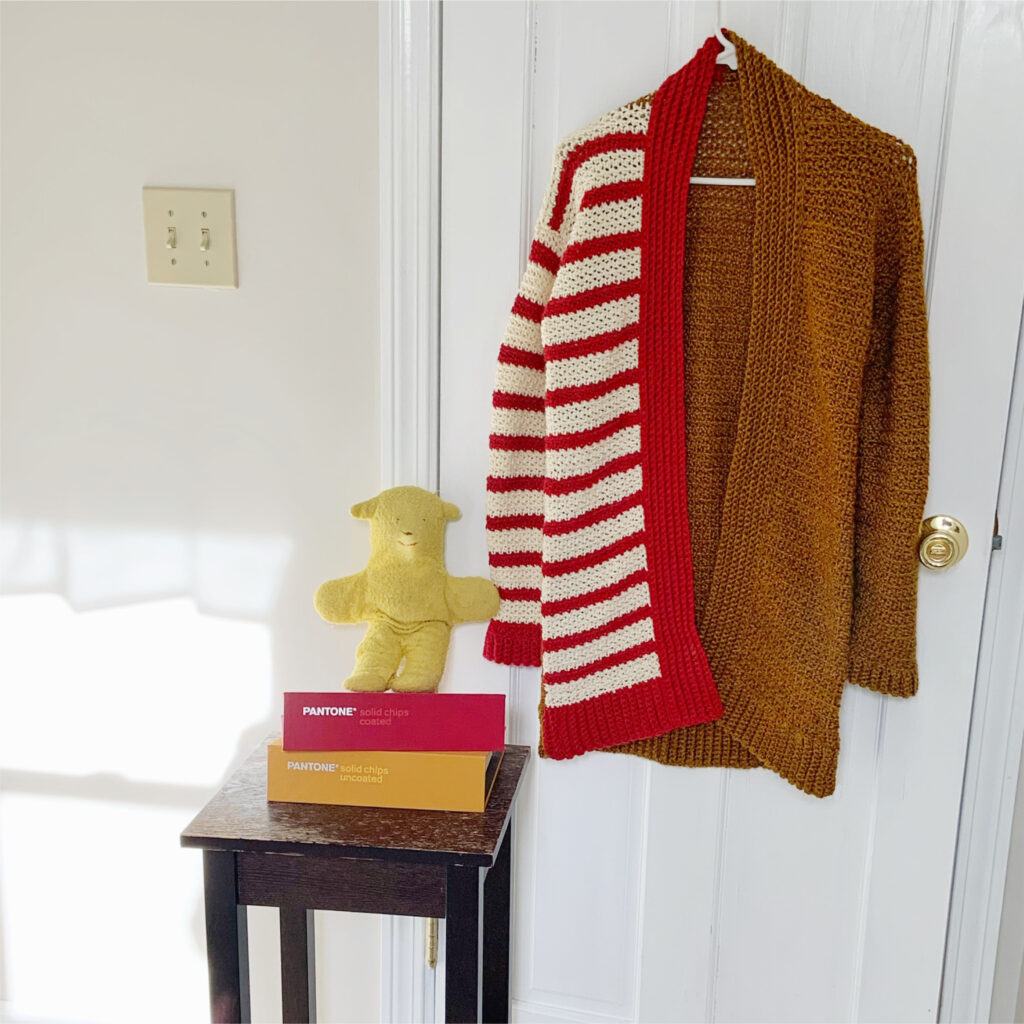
677	114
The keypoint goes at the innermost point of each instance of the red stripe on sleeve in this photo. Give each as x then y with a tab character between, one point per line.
584	480
556	527
592	597
610	660
519	593
581	392
592	297
582	438
601	245
593	343
520	357
584	636
502	484
524	522
591	558
509	400
516	443
515	558
528	309
544	256
579	155
615	192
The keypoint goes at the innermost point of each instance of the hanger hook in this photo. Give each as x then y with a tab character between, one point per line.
727	56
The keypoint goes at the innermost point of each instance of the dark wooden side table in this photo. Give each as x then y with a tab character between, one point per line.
306	857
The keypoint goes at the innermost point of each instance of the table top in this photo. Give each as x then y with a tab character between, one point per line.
239	817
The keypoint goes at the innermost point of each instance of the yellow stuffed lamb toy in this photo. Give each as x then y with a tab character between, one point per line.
405	594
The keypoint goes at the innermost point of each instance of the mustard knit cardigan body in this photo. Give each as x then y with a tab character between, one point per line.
698	569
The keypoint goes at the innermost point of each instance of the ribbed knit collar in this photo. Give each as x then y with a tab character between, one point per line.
772	123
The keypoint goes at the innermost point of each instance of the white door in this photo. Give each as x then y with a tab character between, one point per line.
652	893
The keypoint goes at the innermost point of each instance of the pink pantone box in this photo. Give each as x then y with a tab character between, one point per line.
394	721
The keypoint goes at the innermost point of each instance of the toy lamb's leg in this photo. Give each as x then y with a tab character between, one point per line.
425	653
377	658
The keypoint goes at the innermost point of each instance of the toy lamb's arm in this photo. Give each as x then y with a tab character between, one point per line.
471	598
343	600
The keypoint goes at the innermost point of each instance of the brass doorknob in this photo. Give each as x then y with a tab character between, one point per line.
942	543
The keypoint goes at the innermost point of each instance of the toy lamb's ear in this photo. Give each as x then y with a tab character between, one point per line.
364	510
450	511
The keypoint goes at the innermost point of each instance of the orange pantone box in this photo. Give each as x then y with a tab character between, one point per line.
422	780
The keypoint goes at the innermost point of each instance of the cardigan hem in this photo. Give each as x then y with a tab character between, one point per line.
642	710
807	761
700	746
747	737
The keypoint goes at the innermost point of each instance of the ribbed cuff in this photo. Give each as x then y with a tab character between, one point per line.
896	681
513	643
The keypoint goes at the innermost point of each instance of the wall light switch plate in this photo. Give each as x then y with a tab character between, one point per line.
190	236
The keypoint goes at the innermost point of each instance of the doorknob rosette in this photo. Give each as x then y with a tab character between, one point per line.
942	542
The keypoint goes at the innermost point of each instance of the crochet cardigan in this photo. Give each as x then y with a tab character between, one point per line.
698	579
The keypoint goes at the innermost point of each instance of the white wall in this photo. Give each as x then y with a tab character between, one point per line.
177	468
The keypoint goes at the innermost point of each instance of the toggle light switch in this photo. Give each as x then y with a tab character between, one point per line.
190	236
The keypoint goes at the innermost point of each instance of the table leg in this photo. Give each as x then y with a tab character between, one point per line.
227	940
463	948
497	898
298	970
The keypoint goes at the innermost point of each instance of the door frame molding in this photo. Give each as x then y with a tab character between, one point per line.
409	149
409	118
991	774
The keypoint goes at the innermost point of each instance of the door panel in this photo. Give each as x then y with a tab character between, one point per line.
975	297
655	893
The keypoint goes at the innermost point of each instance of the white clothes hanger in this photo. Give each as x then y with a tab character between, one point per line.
728	54
728	58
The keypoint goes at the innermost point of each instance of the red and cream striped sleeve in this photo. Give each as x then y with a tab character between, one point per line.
515	482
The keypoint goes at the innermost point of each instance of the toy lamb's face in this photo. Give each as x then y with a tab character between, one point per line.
406	522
